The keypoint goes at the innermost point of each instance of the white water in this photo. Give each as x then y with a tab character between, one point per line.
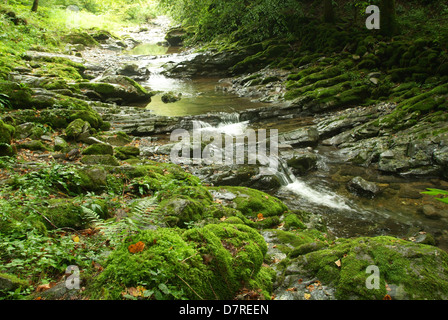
289	181
322	198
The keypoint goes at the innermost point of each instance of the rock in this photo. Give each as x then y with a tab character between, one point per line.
33	145
429	211
303	137
363	188
7	132
302	162
415	262
170	97
118	88
119	139
78	130
175	36
127	152
60	144
99	148
93	179
107	160
10	282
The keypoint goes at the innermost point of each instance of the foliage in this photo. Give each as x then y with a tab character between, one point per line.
442	195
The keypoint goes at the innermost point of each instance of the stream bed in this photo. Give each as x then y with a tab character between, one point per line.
398	210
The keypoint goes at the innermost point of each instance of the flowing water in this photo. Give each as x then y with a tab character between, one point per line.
321	192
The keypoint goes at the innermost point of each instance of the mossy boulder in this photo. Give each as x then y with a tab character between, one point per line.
80	38
103	159
78	130
127	152
98	148
252	202
406	270
34	145
92	179
213	262
119	89
9	282
7	132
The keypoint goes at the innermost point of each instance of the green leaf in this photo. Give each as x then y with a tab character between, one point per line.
164	288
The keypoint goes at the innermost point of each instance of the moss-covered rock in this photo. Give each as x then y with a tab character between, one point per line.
34	145
127	152
213	262
103	159
78	130
98	148
7	132
406	270
10	283
252	202
80	38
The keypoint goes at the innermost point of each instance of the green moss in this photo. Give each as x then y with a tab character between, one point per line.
33	145
98	148
9	282
106	160
80	38
76	128
402	264
7	132
126	152
63	214
252	202
213	262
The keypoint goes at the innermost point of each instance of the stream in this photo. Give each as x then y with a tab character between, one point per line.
397	211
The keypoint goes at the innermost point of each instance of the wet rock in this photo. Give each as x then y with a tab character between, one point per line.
170	97
363	188
301	162
430	212
303	137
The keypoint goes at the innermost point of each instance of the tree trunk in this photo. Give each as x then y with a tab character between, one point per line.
35	5
389	25
328	11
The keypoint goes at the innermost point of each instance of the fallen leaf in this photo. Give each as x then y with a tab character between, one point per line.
307	296
387	297
338	263
224	218
135	248
75	239
293	289
260	217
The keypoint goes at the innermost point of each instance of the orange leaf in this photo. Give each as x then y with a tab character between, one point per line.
138	247
387	297
260	217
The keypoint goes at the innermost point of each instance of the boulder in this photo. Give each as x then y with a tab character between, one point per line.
118	88
99	148
363	188
78	130
303	137
106	159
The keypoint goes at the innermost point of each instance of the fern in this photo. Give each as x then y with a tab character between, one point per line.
115	231
438	193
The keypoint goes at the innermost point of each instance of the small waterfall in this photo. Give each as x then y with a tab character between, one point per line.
325	198
315	195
